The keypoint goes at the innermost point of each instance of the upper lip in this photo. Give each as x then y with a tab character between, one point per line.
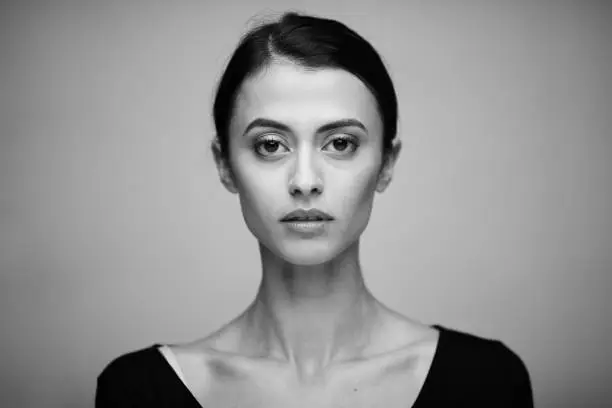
312	214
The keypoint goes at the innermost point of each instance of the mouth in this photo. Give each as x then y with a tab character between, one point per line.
307	227
305	220
307	216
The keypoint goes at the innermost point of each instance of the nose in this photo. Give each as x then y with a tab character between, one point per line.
305	180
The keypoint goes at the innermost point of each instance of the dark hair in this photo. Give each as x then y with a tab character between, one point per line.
311	42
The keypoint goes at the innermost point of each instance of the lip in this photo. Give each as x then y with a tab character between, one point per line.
307	228
307	215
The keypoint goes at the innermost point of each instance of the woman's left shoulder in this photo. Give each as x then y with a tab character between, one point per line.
481	351
474	359
475	371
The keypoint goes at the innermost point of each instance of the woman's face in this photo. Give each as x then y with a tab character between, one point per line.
305	139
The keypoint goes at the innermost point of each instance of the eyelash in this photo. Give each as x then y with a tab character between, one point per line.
266	138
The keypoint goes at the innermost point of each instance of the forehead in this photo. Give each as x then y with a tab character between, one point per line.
305	97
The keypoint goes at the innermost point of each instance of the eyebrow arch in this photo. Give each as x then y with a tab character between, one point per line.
336	124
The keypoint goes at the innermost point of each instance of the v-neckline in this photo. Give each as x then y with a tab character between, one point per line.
421	399
178	382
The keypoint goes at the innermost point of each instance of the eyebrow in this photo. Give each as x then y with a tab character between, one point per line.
336	124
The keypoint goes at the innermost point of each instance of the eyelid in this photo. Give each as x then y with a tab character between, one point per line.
334	136
265	137
339	133
348	137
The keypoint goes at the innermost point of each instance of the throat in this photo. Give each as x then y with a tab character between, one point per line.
311	340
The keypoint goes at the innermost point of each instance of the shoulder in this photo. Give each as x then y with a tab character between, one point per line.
470	350
132	362
128	377
483	367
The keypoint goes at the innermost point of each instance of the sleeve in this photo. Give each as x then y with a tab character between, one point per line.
516	379
112	389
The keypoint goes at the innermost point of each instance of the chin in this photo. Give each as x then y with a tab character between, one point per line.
306	253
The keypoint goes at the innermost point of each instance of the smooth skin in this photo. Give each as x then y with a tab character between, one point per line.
314	334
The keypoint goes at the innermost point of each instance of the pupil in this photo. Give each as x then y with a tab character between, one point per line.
272	144
342	143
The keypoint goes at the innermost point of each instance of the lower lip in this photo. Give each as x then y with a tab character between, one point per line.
307	227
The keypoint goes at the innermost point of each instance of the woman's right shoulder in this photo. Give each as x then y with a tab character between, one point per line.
144	358
131	362
126	380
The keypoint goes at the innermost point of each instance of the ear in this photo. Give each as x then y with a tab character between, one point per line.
223	167
386	171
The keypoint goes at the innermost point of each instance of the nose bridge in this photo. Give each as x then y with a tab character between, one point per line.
305	173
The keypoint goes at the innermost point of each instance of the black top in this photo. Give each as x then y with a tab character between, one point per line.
467	371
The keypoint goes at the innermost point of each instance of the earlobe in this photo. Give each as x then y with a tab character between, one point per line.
223	167
383	182
384	177
386	173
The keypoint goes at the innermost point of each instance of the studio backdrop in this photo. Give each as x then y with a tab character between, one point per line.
115	232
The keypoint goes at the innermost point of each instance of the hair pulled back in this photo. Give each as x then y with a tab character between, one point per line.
313	43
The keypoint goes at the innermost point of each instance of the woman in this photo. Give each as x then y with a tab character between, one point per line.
305	116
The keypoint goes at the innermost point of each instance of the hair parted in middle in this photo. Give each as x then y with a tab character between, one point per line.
313	43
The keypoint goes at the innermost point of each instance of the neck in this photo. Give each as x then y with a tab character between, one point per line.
311	316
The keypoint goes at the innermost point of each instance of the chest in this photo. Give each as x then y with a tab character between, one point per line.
391	395
368	389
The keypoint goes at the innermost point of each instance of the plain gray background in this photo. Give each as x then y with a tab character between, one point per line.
115	232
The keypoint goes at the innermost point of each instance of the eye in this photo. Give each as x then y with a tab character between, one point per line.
266	146
342	144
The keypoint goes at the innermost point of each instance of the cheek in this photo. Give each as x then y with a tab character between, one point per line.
347	193
354	199
358	190
258	194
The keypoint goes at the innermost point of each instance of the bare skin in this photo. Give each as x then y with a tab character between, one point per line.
219	373
314	336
